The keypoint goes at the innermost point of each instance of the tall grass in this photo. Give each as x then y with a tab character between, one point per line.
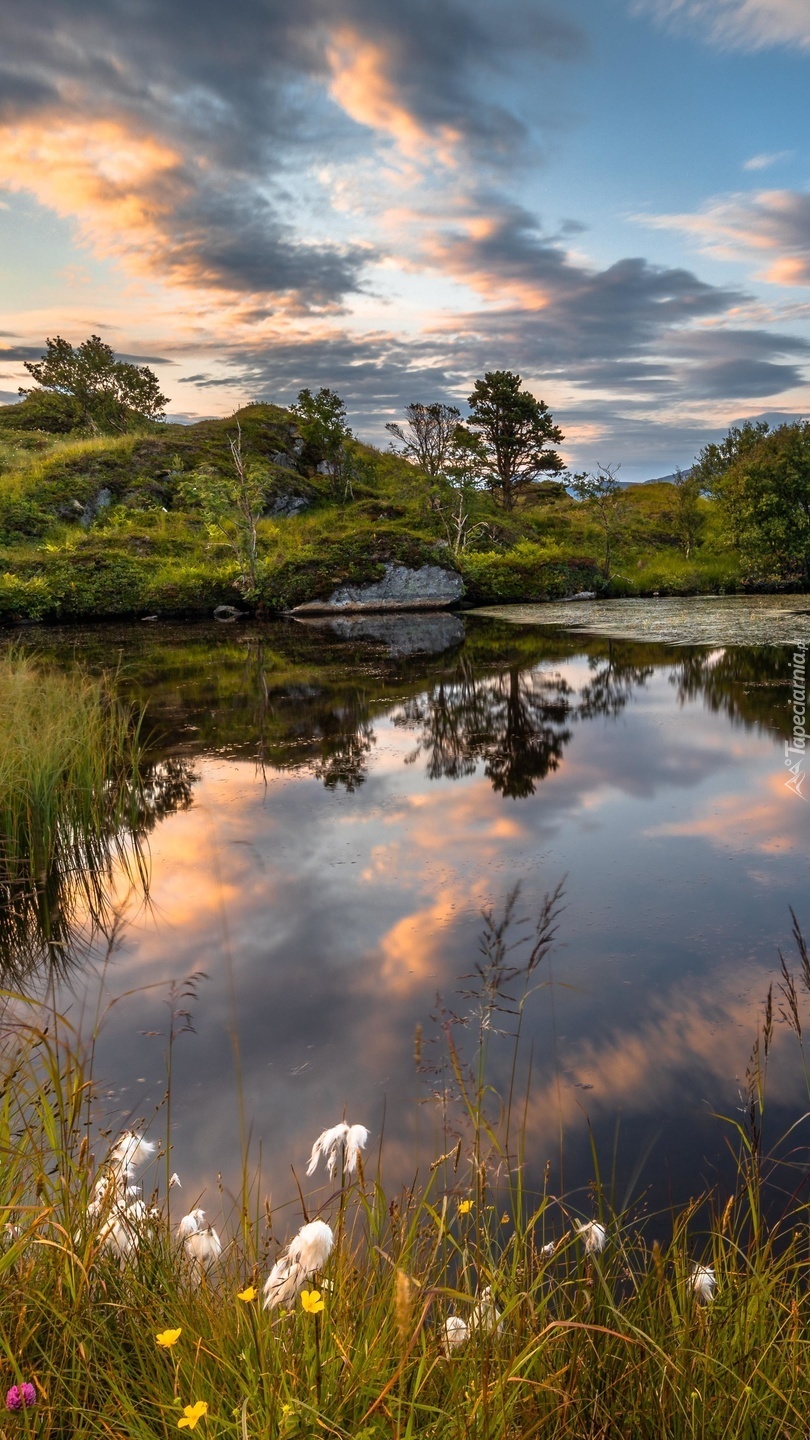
69	786
611	1344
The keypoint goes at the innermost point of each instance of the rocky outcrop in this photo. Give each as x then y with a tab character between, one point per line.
431	587
401	635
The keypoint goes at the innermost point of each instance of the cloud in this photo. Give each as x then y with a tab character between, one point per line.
739	24
770	225
764	162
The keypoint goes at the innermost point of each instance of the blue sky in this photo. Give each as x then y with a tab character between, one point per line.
391	196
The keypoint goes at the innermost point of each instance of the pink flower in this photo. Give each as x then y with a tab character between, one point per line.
19	1396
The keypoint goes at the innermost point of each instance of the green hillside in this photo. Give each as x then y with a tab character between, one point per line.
113	526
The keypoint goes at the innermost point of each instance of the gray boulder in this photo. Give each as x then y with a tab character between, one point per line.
431	587
402	635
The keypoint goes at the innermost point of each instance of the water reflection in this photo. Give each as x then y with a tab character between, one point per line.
345	805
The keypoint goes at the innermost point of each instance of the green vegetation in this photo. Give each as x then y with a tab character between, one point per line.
70	805
275	507
462	1305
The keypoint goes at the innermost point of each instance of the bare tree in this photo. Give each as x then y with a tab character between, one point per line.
603	493
429	436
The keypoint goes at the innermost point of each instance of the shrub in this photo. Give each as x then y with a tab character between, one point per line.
526	573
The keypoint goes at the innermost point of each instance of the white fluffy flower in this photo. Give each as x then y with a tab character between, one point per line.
592	1234
356	1140
129	1152
486	1316
306	1253
122	1232
191	1224
204	1247
548	1250
455	1333
704	1282
342	1143
175	1180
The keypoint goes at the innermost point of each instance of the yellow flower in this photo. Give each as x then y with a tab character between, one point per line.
311	1301
286	1409
167	1338
247	1295
192	1413
464	1207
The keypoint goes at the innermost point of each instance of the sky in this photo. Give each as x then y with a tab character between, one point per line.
390	197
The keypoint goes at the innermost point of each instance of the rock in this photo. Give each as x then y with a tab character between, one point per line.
284	505
145	619
282	459
100	502
583	595
431	587
402	635
227	612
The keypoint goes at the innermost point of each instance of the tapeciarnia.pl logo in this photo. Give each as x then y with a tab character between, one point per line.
795	750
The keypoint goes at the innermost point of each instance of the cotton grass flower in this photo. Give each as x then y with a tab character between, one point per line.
201	1243
703	1282
592	1234
455	1333
486	1317
341	1144
306	1253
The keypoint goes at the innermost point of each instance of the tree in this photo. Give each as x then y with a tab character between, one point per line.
232	506
603	493
688	518
87	388
715	459
764	496
323	429
514	434
430	438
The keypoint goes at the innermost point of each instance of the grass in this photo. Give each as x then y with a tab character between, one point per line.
69	788
609	1344
65	556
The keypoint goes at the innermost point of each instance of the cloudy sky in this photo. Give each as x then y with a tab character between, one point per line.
391	196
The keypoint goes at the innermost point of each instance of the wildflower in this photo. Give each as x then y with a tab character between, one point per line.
342	1143
593	1235
20	1396
201	1242
505	1218
455	1333
167	1338
704	1282
190	1224
548	1249
192	1413
175	1180
306	1253
486	1316
247	1295
464	1207
312	1302
129	1152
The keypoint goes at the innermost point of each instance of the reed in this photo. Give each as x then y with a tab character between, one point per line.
566	1331
69	799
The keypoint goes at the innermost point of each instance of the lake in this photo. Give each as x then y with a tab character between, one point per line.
335	804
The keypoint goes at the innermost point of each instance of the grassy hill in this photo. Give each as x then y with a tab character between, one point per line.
103	527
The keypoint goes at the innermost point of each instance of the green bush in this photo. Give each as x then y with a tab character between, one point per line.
526	573
22	599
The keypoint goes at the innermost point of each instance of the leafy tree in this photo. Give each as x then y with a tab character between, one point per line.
429	439
763	489
688	518
87	388
231	506
514	433
322	425
715	459
604	495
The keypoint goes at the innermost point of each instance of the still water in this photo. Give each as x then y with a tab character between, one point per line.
338	803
